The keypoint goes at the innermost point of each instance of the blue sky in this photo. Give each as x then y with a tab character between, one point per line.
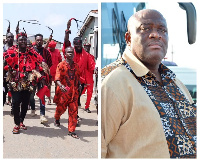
54	15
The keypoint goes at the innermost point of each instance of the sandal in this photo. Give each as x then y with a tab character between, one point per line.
9	103
22	126
74	135
57	123
16	130
78	118
49	102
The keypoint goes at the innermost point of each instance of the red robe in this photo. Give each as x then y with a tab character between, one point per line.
67	99
84	61
89	81
56	59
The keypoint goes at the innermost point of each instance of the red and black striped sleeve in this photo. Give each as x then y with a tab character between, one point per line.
47	57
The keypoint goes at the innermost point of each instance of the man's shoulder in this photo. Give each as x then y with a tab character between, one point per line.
116	76
111	67
31	51
91	56
57	50
10	50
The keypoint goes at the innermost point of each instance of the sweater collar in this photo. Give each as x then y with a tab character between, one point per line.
136	65
140	69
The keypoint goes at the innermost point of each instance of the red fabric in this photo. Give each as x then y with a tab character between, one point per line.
67	88
21	75
45	54
43	92
9	94
56	59
63	76
89	89
89	95
52	44
31	56
72	113
67	99
40	68
21	34
89	80
6	68
91	64
85	62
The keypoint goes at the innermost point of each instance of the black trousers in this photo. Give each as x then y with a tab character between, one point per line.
79	97
32	101
4	97
20	99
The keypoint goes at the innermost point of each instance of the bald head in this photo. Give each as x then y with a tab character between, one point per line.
147	36
69	48
147	15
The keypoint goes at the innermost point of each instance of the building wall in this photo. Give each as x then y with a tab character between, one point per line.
91	33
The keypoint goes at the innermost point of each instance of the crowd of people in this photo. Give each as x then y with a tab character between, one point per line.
31	67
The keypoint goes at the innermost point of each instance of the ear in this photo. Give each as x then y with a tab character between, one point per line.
128	38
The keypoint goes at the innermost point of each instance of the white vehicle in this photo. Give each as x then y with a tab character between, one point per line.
188	77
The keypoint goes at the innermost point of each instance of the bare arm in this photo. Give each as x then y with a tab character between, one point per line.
47	44
67	32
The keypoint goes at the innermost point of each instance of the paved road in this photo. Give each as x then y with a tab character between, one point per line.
48	141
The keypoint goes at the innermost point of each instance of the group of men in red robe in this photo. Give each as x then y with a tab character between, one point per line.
82	60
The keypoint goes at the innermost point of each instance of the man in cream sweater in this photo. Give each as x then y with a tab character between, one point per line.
146	111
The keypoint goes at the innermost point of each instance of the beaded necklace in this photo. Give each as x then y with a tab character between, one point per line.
71	71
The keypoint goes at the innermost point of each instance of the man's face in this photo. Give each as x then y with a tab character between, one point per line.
69	53
10	38
39	41
52	49
149	37
22	42
78	47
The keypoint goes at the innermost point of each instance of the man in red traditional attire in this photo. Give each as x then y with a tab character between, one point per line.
89	78
23	66
66	95
81	57
47	59
56	59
